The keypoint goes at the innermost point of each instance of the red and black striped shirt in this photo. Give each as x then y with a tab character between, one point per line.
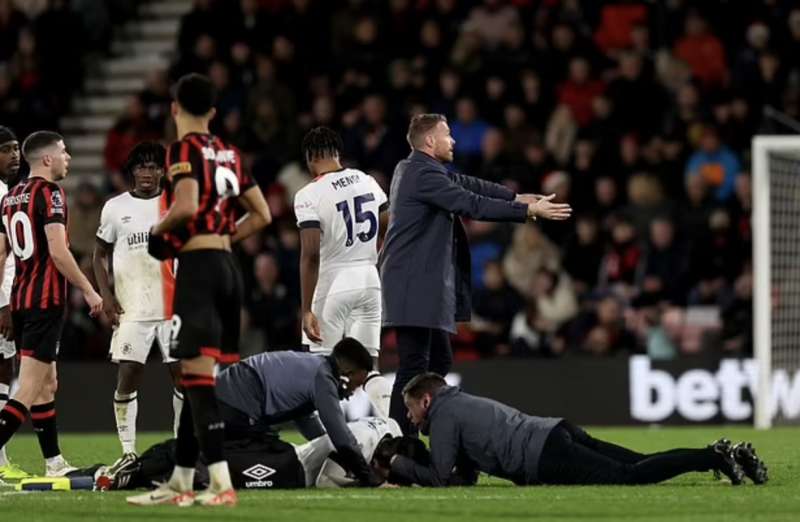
26	209
214	165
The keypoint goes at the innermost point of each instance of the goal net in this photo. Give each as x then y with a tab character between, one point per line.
776	272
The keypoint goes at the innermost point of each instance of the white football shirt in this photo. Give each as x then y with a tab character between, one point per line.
346	206
368	432
144	286
8	270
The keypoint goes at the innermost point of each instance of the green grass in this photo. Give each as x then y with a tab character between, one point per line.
690	497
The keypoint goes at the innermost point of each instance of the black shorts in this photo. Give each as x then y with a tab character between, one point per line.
37	333
207	306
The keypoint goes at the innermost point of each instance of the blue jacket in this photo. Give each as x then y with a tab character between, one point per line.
425	261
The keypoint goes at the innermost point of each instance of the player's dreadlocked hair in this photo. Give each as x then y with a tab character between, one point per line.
321	143
144	152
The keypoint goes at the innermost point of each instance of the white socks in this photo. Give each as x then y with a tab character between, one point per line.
219	477
126	407
177	407
182	479
380	394
4	390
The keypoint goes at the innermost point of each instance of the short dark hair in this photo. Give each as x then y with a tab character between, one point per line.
424	383
38	141
352	351
406	446
420	126
6	135
144	152
195	94
320	143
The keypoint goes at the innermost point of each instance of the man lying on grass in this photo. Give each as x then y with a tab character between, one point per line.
470	434
259	461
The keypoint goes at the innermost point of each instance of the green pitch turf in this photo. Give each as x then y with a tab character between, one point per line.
694	497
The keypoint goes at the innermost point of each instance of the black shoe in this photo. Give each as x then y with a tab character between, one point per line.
754	467
728	466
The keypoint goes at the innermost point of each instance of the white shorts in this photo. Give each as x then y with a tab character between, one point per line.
132	340
353	313
7	348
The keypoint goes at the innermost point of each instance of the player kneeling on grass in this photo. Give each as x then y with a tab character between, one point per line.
272	388
471	434
261	461
140	304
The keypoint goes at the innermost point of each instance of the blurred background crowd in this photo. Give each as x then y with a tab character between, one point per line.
640	114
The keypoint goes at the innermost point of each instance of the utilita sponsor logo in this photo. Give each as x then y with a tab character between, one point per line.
700	395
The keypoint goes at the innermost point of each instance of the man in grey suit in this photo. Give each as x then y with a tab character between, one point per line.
425	261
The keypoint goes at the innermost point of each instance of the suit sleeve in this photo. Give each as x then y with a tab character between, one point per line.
437	189
444	452
332	417
483	187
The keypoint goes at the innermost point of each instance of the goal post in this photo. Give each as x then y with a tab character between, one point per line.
776	265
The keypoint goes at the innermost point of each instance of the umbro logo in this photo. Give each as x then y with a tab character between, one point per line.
126	219
258	472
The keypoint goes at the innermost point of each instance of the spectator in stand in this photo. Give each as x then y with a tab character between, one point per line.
737	318
202	19
495	306
716	262
12	20
619	266
580	90
371	142
695	211
84	215
582	252
637	99
716	164
130	128
527	335
530	250
703	52
156	99
468	130
664	264
491	20
271	308
555	299
602	331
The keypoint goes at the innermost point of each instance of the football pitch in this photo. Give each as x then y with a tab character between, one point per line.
690	497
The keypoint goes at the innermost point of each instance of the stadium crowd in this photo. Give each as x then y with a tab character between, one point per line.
638	114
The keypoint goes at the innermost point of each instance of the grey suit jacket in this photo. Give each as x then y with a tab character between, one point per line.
425	260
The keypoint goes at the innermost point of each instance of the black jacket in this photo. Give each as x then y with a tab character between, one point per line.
425	260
